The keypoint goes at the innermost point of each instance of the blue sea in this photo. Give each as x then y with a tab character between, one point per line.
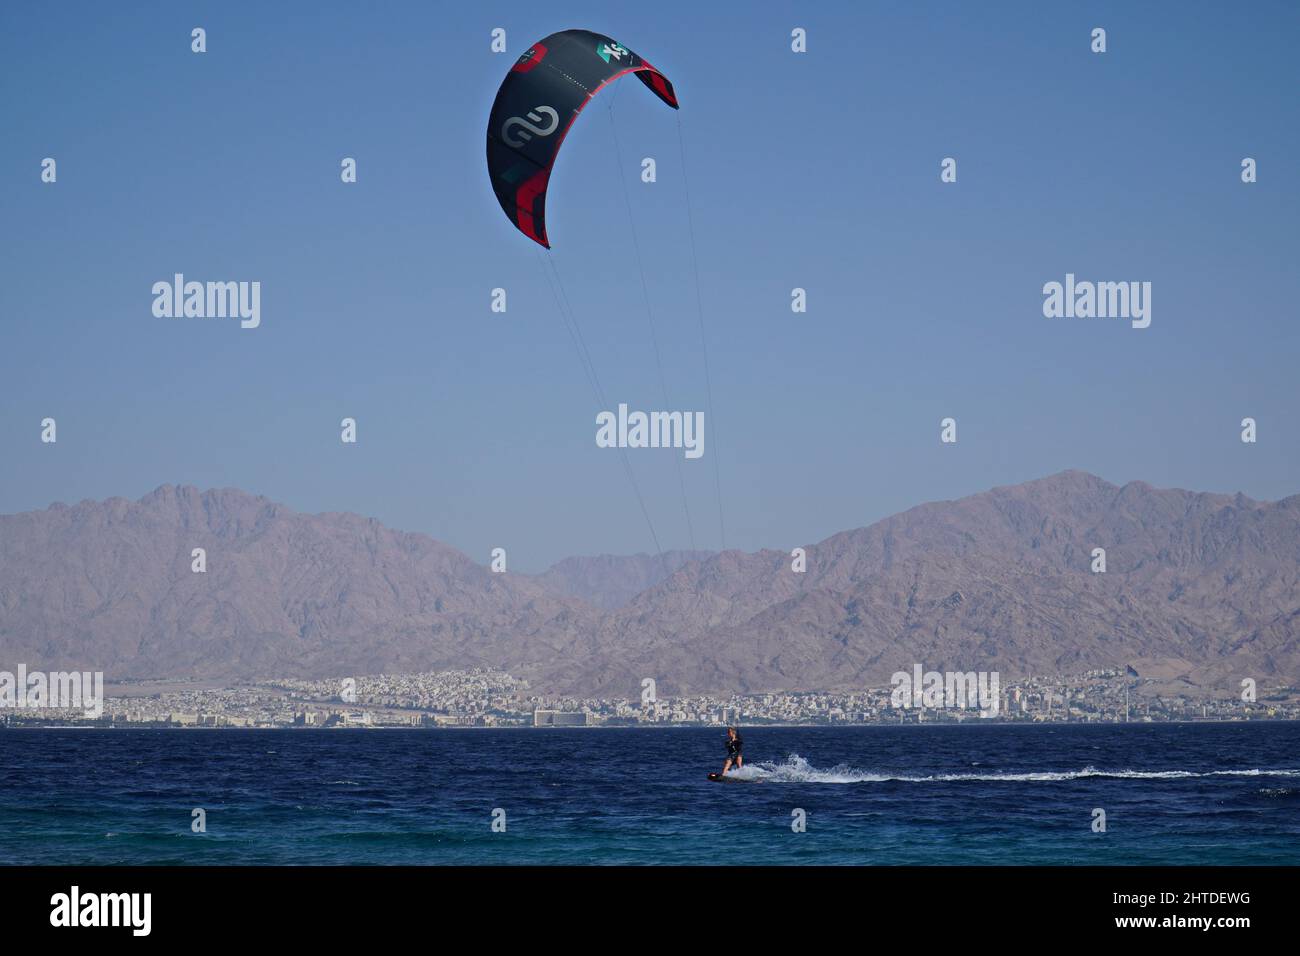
970	794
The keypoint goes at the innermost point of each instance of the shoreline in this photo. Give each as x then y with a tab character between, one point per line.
679	726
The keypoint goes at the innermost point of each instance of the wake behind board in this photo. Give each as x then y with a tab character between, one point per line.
719	778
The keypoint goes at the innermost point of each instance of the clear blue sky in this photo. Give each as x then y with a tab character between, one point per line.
816	170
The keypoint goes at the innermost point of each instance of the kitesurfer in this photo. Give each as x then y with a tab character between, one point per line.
734	745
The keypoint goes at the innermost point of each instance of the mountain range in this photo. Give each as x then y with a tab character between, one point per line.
1200	587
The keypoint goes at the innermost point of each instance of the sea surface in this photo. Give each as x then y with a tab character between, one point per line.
969	794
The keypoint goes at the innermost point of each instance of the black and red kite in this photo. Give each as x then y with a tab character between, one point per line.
538	101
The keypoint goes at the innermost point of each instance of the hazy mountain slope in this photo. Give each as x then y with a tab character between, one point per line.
1197	584
1000	580
109	585
610	581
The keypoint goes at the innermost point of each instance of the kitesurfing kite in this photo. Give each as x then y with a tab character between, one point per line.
538	101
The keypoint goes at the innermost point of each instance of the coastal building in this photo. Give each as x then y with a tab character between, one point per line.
559	718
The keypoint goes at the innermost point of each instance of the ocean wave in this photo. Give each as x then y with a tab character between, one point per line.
796	769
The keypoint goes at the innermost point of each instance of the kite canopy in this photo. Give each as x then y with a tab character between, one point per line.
538	101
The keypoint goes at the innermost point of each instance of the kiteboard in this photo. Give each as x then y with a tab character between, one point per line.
719	778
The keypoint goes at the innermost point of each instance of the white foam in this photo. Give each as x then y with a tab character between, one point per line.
796	769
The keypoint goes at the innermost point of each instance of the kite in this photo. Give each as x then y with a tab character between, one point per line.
538	101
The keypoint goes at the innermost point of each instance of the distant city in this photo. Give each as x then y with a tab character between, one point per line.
490	698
